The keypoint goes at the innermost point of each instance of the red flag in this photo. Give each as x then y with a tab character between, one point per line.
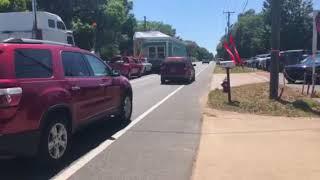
226	46
233	44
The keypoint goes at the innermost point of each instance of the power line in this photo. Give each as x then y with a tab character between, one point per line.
245	6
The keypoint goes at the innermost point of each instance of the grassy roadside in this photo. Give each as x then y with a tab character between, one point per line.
254	99
237	69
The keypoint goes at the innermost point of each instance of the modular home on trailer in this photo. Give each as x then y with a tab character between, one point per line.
156	47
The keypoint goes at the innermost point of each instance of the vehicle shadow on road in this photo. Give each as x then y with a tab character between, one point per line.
180	83
83	141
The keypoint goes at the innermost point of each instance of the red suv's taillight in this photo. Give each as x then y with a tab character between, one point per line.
10	97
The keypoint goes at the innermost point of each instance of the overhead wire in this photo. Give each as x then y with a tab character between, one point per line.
245	6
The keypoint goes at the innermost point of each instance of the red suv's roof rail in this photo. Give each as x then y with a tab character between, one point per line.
33	41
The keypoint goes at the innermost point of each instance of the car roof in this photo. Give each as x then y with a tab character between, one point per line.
43	46
39	45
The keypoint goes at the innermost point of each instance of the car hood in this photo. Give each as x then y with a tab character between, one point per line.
297	66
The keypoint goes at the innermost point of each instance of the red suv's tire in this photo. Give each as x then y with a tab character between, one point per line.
55	141
125	111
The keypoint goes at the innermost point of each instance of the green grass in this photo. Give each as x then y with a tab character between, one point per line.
255	99
237	69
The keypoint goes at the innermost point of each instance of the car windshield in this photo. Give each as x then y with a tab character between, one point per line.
310	60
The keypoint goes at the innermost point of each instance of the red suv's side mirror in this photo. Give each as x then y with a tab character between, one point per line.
115	73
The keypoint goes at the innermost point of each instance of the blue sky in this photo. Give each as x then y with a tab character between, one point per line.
199	20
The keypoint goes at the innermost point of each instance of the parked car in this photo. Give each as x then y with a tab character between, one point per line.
265	63
48	91
205	61
252	62
127	66
294	73
147	67
292	57
262	60
218	60
177	69
20	25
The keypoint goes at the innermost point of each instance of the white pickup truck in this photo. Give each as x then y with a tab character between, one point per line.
20	25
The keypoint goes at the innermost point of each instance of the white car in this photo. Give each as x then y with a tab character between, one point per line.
147	67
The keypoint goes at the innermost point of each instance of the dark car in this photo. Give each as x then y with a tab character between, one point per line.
177	69
48	91
294	73
292	57
206	61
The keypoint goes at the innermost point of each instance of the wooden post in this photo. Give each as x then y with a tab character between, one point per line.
304	82
229	85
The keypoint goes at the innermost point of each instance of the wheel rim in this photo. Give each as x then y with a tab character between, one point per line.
57	141
127	107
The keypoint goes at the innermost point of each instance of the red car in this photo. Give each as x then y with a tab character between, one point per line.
177	69
48	91
127	66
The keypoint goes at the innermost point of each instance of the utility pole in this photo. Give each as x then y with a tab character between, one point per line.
145	23
275	49
228	23
35	34
228	68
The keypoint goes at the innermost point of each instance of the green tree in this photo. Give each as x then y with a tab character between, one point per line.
63	8
157	26
14	5
200	53
252	31
296	25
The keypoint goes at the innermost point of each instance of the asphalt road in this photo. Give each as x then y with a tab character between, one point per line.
160	142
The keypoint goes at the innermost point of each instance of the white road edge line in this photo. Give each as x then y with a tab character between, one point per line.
82	161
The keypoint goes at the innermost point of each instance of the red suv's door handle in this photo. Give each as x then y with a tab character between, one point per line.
75	88
102	85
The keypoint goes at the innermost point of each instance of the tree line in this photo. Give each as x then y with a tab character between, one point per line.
252	31
105	26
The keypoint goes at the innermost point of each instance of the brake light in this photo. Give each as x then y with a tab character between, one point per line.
10	97
126	64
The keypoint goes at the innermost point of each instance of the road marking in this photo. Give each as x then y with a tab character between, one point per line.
82	161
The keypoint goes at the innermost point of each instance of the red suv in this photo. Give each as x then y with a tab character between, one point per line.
48	91
177	68
127	66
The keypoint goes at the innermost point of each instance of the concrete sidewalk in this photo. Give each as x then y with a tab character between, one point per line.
251	147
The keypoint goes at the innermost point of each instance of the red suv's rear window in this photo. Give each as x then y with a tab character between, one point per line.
33	63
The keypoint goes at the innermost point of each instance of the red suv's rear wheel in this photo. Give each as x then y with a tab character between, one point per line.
55	141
